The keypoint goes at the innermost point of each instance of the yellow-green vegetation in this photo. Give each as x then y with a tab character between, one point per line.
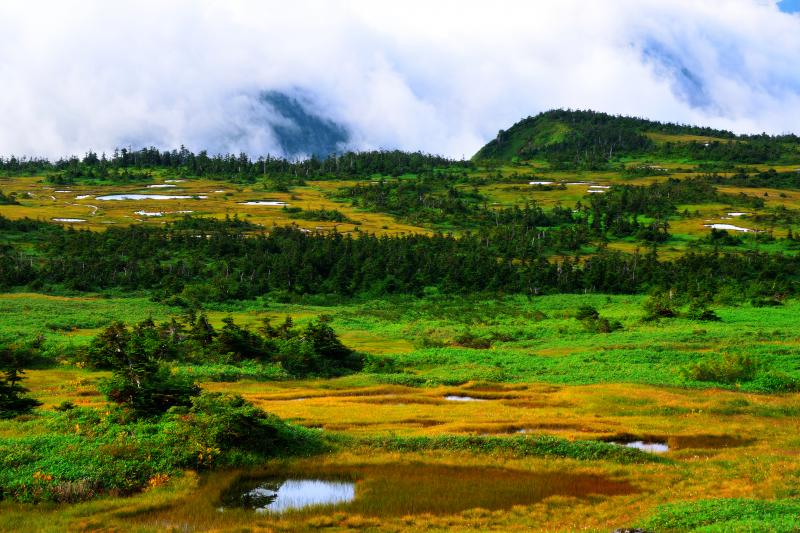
543	374
79	207
590	325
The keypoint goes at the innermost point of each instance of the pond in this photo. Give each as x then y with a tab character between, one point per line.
650	447
279	495
68	220
264	202
161	186
396	489
149	197
457	398
727	226
540	183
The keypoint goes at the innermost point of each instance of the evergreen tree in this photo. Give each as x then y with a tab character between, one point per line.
13	401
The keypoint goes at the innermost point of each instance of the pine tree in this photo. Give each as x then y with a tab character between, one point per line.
13	401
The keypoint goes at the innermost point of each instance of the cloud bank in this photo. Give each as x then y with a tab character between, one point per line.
441	77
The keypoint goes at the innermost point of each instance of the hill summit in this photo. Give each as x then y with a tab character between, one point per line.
591	138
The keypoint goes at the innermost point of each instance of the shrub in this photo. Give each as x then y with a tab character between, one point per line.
225	428
317	350
377	364
88	452
587	312
602	325
470	340
659	305
150	389
699	311
593	322
729	369
775	381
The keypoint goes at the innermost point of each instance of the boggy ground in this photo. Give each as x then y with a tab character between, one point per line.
723	444
550	377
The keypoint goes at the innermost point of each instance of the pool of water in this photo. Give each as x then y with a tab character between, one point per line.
393	489
540	183
149	197
727	227
68	220
645	446
281	495
457	398
264	202
161	186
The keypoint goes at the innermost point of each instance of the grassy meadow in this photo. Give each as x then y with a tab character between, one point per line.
472	412
544	375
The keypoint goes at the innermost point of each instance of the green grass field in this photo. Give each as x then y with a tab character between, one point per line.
541	392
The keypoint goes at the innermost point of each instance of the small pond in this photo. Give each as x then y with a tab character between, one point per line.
457	398
280	495
264	202
68	220
149	197
394	489
645	446
727	226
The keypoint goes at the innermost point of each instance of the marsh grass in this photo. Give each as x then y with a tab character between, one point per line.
534	445
727	514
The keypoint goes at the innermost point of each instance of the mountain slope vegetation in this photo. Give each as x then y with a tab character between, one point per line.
592	139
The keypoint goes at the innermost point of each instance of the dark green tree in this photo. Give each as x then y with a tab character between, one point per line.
13	401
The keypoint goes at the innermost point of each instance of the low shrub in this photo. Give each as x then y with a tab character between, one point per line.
726	514
529	445
88	452
728	369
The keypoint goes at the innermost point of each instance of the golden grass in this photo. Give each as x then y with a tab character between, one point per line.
46	204
684	138
726	443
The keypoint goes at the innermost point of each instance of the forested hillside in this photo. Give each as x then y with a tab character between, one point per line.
588	139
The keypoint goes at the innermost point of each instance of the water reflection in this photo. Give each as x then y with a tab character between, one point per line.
277	496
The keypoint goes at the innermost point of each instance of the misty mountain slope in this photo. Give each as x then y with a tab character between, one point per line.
301	131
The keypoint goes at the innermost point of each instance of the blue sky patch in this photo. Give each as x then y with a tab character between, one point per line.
789	6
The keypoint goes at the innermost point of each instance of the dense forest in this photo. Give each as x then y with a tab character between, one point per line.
221	263
126	165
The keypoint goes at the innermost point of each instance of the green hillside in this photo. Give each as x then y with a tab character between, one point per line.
590	139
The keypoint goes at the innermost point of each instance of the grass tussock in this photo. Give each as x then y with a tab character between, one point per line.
521	446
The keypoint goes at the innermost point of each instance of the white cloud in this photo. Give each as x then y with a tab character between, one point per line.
438	76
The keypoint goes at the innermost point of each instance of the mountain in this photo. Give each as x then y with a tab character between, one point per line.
590	138
301	130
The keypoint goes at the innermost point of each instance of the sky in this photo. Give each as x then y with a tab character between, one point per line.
437	76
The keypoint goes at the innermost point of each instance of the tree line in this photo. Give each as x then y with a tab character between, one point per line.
219	264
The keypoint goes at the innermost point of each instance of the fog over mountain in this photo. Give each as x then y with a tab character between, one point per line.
316	77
